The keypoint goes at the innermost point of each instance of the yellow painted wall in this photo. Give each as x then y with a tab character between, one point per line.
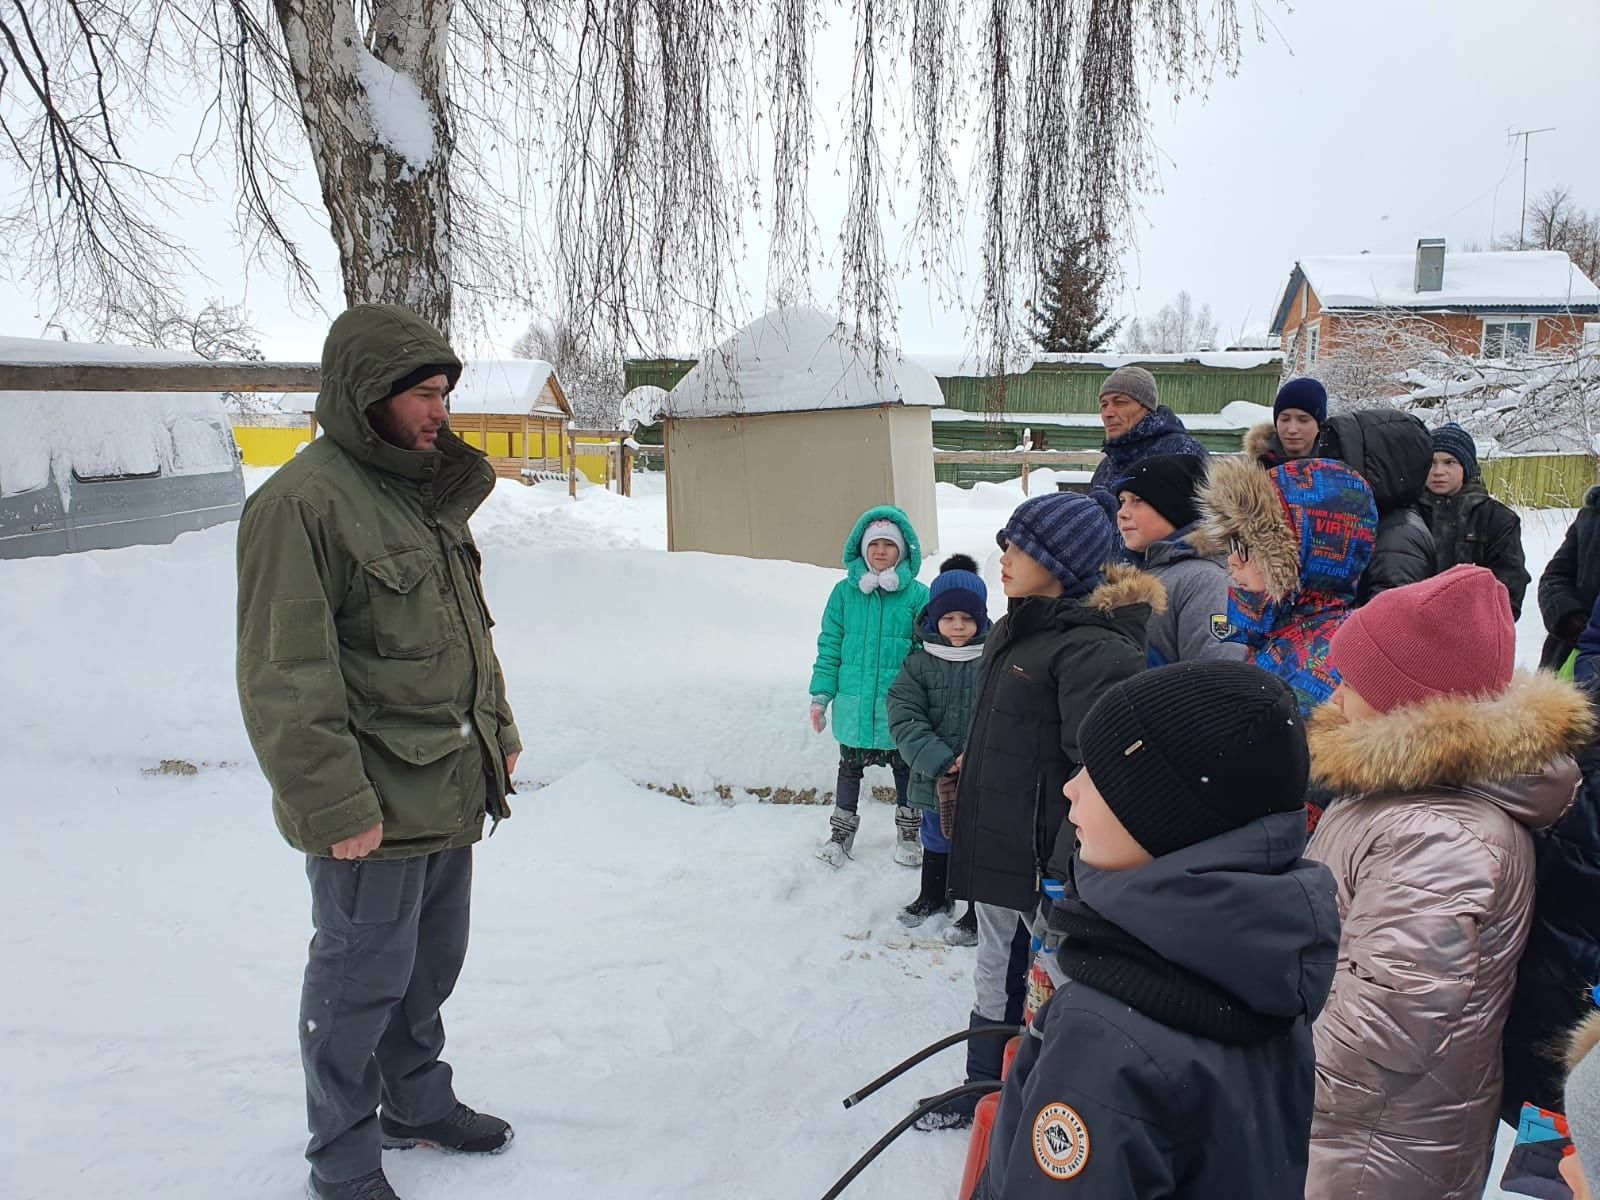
274	445
269	445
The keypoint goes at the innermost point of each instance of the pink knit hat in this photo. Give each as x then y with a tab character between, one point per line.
1451	635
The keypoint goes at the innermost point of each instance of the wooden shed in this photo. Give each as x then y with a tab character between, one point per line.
778	439
515	411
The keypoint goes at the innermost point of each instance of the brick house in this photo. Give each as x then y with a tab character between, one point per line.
1500	304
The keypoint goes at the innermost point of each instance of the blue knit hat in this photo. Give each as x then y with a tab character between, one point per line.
1070	535
958	588
1455	441
1307	395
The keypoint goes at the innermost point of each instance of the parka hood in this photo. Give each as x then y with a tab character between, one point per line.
910	562
1390	449
1512	749
1269	935
1261	443
368	348
1309	524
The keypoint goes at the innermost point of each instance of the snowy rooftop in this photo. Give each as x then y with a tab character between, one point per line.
1531	278
968	363
498	386
797	360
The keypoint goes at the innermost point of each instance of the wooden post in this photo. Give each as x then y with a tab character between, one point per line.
1025	469
627	470
570	449
666	468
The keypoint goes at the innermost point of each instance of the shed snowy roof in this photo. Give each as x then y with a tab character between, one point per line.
797	360
514	387
969	363
1508	279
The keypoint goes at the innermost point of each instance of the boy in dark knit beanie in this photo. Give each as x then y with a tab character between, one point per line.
1074	627
1468	524
1157	512
1192	949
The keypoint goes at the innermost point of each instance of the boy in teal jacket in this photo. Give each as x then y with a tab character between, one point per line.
867	631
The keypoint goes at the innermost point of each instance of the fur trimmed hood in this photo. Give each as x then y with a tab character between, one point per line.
1309	524
1584	1039
1261	444
1452	742
1126	585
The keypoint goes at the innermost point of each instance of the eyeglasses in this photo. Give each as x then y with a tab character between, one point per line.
1238	549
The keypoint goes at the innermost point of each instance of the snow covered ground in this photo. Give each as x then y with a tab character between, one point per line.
667	999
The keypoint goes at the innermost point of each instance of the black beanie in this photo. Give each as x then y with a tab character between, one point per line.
1187	752
451	371
1455	441
1167	483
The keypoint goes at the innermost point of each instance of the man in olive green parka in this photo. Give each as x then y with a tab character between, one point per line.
376	706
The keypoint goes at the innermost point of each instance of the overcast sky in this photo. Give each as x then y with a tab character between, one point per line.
1356	125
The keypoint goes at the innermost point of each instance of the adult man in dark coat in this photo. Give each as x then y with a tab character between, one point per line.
377	709
1570	584
1137	425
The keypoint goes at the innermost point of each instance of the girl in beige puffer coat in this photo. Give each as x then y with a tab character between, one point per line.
1443	762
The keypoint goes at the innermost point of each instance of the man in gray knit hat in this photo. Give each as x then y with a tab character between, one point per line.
1137	425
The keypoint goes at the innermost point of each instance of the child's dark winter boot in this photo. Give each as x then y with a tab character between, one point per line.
964	930
935	879
461	1131
907	836
842	838
374	1186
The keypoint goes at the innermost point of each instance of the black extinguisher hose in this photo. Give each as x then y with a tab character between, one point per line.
983	1086
926	1052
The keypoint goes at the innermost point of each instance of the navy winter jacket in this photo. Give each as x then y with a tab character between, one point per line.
1109	1102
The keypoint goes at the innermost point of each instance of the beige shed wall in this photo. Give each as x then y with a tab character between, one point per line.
790	485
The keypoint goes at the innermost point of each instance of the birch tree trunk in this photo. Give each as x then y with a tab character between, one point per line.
376	122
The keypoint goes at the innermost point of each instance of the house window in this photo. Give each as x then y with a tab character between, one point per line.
1313	343
1507	339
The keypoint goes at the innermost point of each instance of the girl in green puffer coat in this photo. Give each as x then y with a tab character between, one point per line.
930	707
866	634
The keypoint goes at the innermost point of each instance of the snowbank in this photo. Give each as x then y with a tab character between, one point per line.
798	360
627	948
47	436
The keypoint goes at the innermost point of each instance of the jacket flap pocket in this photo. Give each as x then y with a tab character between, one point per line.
420	744
402	570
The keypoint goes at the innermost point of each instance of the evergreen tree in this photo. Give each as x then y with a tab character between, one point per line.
1070	314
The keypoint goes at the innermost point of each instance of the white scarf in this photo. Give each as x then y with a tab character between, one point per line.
965	653
887	580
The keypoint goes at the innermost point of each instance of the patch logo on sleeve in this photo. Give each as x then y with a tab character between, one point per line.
1060	1141
1220	629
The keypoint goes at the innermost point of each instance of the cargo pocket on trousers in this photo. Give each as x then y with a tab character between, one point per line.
380	887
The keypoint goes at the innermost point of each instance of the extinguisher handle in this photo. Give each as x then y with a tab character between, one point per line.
894	1072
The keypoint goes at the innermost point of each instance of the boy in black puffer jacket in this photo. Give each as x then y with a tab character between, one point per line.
930	705
1074	628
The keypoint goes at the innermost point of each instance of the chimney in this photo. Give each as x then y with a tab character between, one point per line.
1430	264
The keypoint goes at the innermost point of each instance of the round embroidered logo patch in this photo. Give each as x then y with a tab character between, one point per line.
1060	1141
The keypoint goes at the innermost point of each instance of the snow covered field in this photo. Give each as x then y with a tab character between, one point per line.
666	999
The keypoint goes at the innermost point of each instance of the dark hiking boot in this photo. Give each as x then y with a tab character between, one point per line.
460	1131
935	877
964	931
368	1187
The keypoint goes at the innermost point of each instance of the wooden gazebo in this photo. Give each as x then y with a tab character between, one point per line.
515	411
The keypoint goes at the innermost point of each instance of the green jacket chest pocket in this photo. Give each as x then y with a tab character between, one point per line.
408	603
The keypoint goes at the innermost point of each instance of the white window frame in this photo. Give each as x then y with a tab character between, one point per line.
1313	342
1503	320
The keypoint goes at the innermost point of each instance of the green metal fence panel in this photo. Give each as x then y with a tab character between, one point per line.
661	372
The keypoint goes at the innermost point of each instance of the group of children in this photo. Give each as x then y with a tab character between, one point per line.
1123	777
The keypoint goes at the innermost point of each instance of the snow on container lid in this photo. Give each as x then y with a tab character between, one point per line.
798	360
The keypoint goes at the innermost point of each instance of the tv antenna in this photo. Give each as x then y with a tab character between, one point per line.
1525	134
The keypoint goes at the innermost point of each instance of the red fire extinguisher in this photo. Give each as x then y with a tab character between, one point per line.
983	1126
